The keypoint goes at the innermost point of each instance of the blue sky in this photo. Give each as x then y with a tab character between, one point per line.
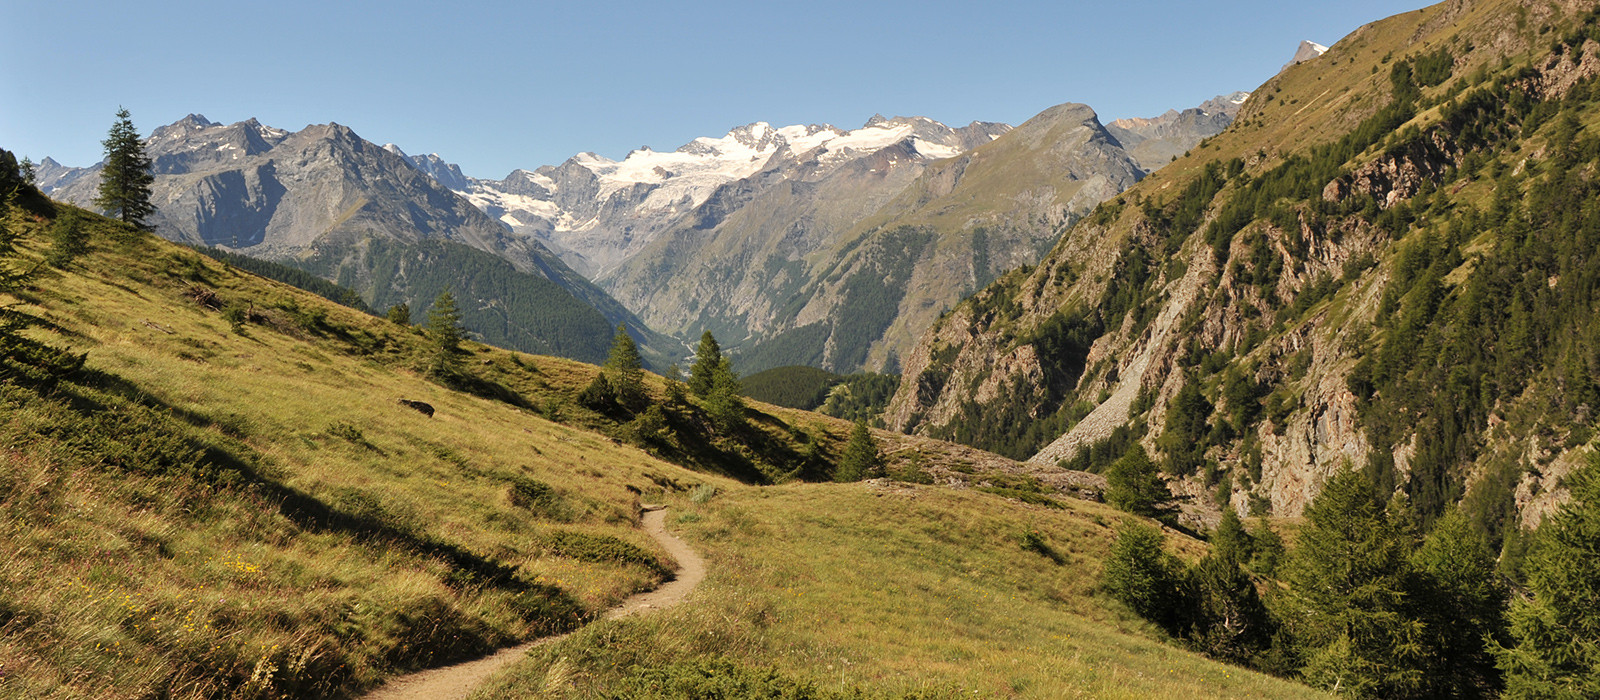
500	85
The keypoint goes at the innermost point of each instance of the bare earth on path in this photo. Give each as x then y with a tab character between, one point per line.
459	680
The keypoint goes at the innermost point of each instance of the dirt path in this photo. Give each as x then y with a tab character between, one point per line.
459	680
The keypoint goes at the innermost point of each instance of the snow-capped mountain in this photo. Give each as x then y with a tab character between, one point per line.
597	212
1307	51
328	201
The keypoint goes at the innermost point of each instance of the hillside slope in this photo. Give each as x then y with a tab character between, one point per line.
228	499
1380	266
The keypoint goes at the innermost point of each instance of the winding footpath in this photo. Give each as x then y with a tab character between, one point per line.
459	680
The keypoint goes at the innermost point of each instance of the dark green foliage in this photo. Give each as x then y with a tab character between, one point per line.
399	314
1267	546
801	346
1348	578
1462	602
1230	542
508	308
1141	575
724	401
1555	649
860	459
793	386
1184	440
599	395
292	276
539	497
861	396
125	180
873	293
444	336
707	357
1134	484
625	371
1227	619
1098	455
69	238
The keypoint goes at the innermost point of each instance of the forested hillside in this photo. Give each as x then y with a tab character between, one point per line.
1370	302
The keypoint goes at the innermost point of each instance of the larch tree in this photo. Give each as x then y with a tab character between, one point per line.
707	357
125	180
860	459
624	370
444	330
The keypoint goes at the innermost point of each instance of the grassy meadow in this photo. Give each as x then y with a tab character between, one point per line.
229	500
885	589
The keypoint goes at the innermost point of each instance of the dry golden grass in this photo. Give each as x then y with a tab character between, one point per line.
892	589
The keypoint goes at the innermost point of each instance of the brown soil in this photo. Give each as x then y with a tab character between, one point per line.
459	680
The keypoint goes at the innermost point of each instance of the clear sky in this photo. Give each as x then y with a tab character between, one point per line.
500	85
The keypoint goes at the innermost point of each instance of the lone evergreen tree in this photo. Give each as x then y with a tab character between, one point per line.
624	369
399	314
1134	484
125	181
27	171
860	459
444	330
706	359
724	400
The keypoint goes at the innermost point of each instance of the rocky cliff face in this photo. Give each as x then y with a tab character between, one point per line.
1266	282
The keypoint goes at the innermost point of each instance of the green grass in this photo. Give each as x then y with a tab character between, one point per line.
204	512
889	591
209	511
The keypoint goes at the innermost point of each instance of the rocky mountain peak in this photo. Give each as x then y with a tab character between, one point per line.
1307	51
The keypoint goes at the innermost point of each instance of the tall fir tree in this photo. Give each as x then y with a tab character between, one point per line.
125	180
444	330
1348	576
624	370
706	359
724	401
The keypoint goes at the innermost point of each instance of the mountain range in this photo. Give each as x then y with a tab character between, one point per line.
328	201
778	238
771	237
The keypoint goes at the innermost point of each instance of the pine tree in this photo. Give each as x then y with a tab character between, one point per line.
1143	576
28	172
68	239
445	334
707	357
1462	600
399	314
1134	484
125	180
723	401
860	459
1348	578
625	370
1556	633
1231	542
